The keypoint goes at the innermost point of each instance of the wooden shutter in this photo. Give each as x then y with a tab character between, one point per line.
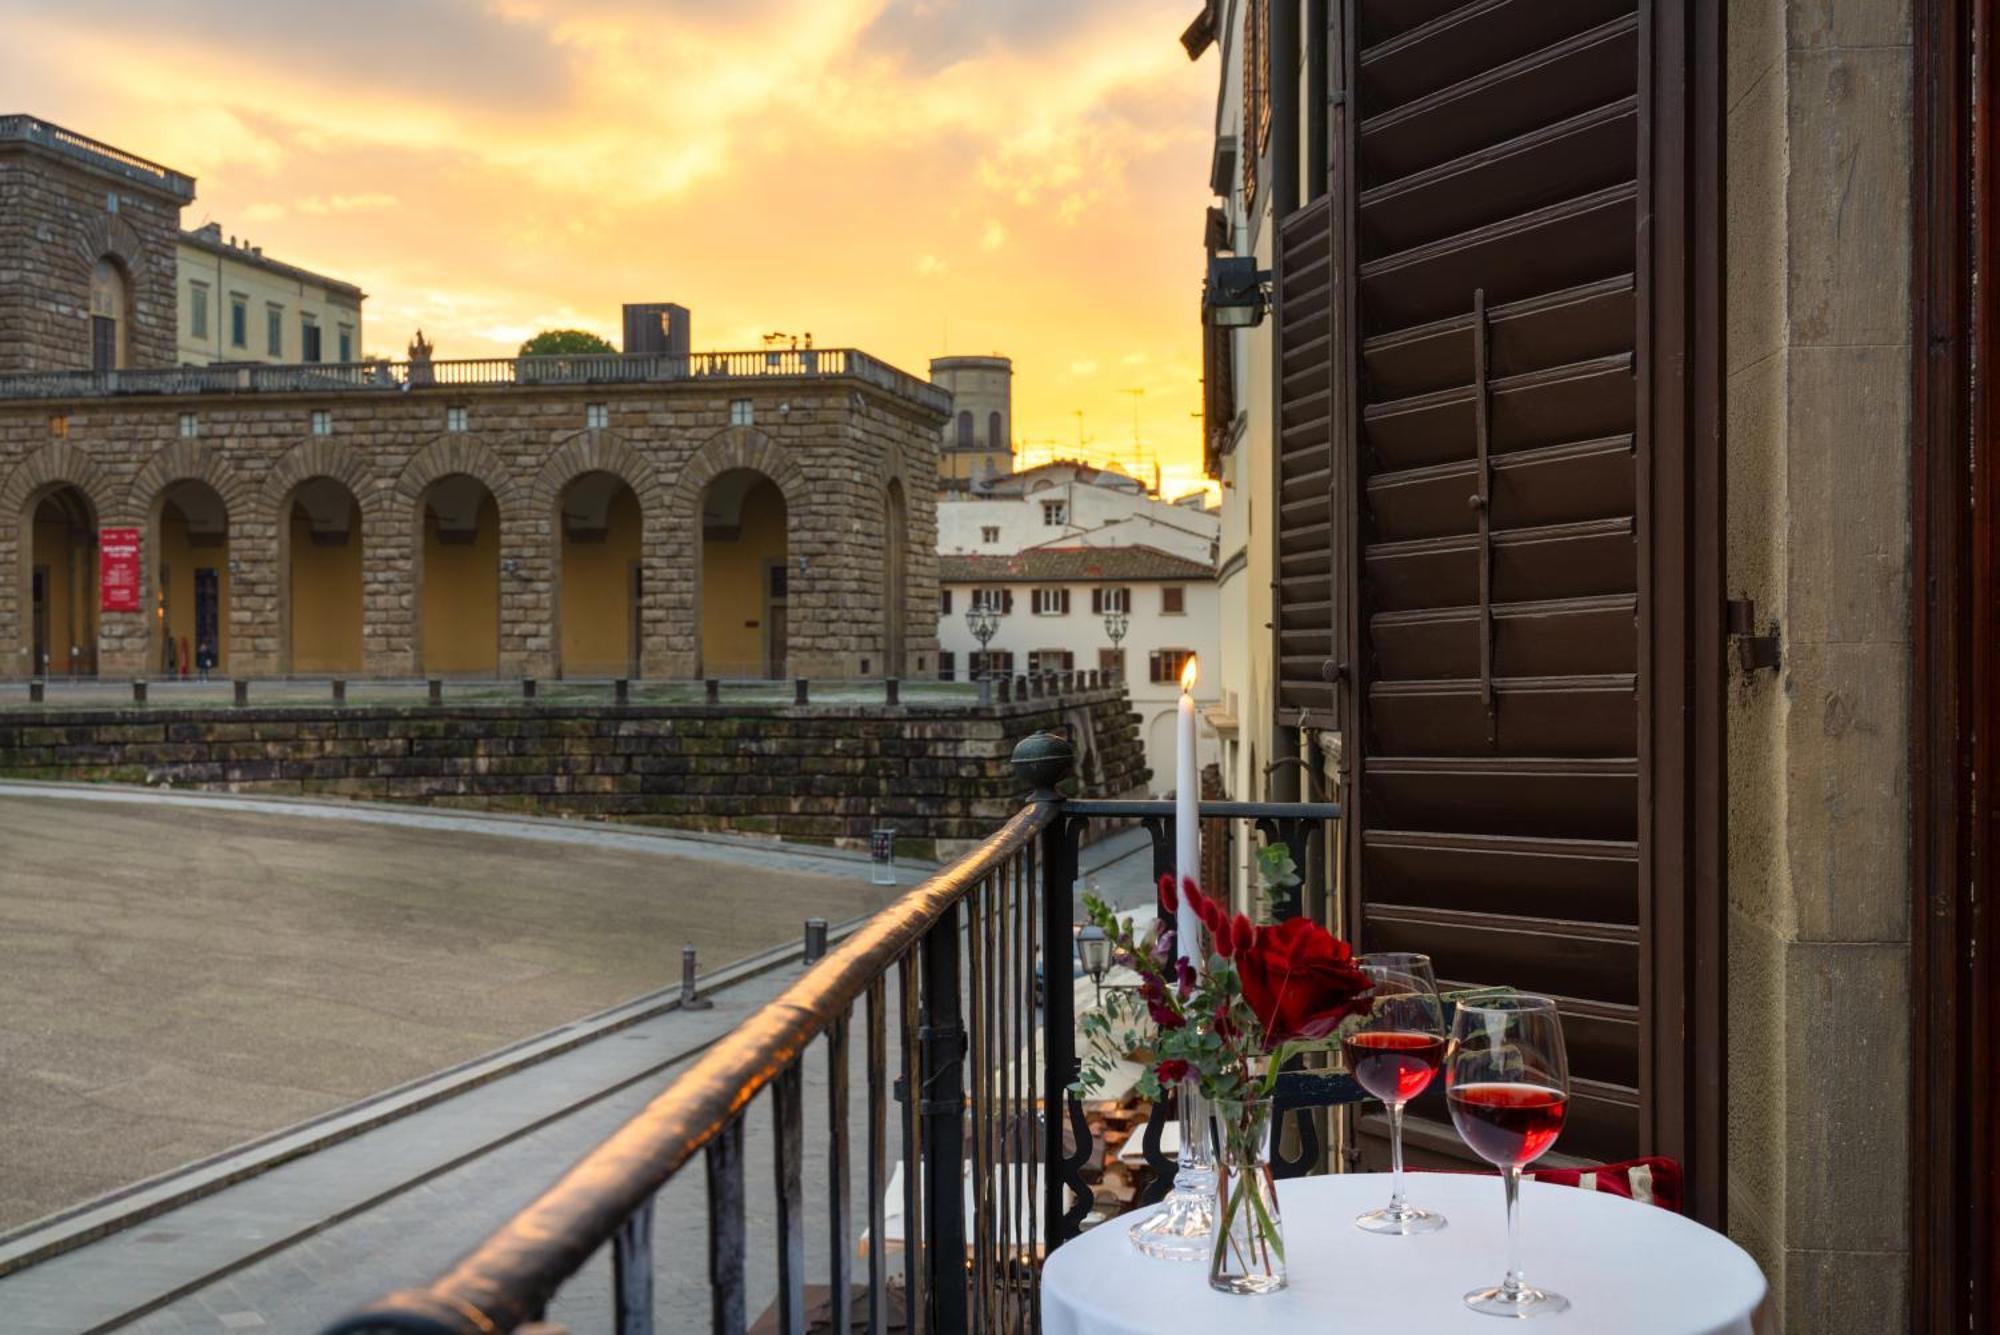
1489	229
1308	603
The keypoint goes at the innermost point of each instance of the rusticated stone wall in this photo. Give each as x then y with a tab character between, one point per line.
59	215
828	774
832	444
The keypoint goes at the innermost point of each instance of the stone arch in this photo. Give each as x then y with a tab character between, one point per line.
318	456
55	466
580	641
729	450
196	461
463	455
190	461
595	452
57	463
459	453
307	462
109	234
737	447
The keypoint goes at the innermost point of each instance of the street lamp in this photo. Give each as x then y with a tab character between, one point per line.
1094	948
1116	622
984	623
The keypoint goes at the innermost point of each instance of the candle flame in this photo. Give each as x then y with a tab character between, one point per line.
1190	673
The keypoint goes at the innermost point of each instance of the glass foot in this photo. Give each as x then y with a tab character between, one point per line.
1183	1229
1516	1302
1400	1219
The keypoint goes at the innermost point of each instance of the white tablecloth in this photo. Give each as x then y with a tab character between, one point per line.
1627	1269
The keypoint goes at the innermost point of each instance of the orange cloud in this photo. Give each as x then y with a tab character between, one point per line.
913	177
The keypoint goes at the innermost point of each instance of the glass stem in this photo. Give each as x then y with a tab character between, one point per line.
1395	1158
1514	1281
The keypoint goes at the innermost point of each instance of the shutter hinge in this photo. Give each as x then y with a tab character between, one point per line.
1754	652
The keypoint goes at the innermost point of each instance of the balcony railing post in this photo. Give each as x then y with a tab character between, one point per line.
942	1109
1043	761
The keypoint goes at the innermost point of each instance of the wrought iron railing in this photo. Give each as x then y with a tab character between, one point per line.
989	1181
389	376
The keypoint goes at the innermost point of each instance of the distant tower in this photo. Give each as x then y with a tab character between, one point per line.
978	441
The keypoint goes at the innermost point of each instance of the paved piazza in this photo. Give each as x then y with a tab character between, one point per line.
184	973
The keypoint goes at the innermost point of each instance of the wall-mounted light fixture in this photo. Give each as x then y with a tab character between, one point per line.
1237	292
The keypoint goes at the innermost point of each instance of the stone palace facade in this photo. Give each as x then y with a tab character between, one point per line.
666	515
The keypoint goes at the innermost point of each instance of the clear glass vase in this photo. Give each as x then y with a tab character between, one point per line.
1248	1255
1180	1230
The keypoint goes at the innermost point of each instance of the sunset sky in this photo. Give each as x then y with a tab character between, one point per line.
912	177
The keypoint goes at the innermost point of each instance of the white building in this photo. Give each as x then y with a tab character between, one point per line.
1072	505
1053	603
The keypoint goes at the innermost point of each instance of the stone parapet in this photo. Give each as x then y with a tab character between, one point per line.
827	774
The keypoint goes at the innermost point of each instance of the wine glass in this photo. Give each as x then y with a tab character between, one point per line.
1393	1054
1506	1081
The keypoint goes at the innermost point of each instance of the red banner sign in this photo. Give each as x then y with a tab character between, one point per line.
118	568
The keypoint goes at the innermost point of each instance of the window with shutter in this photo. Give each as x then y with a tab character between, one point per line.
1463	461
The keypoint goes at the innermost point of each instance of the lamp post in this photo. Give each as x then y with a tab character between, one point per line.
984	623
1116	622
1094	948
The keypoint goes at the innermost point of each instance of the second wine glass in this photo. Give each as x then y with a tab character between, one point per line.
1507	1083
1393	1053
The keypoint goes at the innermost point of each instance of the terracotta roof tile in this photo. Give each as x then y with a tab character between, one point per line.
1060	565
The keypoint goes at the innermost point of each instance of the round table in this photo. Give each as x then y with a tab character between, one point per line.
1627	1269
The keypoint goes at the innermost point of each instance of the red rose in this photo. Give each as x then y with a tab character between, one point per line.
1171	1071
1300	980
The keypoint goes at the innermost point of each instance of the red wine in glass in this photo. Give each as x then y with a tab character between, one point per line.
1393	1052
1506	1081
1507	1124
1395	1065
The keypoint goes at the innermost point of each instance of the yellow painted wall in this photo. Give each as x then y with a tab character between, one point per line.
72	592
462	597
263	285
597	594
326	598
733	605
180	560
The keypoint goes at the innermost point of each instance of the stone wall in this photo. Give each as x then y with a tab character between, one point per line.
56	221
824	774
832	444
1818	427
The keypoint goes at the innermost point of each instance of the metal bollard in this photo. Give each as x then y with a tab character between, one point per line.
800	694
36	691
138	691
437	691
895	689
689	1001
339	691
712	691
242	692
621	691
527	688
815	940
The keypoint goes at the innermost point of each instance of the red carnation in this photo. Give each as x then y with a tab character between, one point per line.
1300	980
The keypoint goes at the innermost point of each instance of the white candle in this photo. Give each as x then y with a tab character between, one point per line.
1187	820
